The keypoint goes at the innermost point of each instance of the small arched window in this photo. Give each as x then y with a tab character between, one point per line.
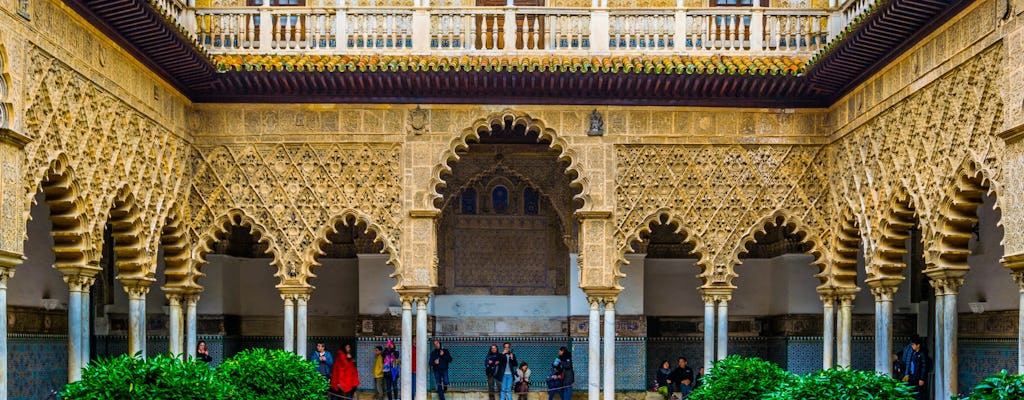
469	201
499	199
531	201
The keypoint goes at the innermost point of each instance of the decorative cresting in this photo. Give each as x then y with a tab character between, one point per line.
718	192
510	118
77	125
885	263
915	149
295	191
784	220
665	217
349	218
71	244
958	216
133	265
220	230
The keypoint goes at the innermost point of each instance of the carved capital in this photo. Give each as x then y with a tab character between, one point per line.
289	298
595	302
1019	278
946	285
829	299
137	292
191	299
846	300
79	283
609	303
5	274
884	293
302	298
708	299
175	299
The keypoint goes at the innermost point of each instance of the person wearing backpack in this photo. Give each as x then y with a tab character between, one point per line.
568	375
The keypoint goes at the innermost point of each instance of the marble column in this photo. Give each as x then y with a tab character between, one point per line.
828	337
5	274
301	300
406	352
137	319
422	349
940	353
1019	278
845	328
87	323
609	348
594	350
723	326
949	337
289	322
174	325
191	341
76	283
883	328
709	331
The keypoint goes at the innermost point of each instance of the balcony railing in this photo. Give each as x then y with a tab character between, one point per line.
505	30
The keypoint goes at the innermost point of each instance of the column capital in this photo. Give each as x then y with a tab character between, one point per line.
137	292
175	298
5	274
884	293
1018	277
9	260
302	297
828	299
79	283
414	296
191	298
289	298
846	299
946	285
595	302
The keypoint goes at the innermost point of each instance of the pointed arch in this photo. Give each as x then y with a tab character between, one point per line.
174	241
132	261
668	217
349	218
958	215
782	219
885	266
511	118
220	229
72	245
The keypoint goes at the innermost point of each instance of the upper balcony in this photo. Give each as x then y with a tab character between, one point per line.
284	27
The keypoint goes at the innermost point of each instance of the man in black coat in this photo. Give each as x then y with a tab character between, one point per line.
917	369
491	369
681	379
507	370
439	360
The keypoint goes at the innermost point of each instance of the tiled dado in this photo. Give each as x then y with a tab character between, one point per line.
37	365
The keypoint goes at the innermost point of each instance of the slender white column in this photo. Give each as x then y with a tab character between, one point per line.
136	319
174	329
709	331
594	350
86	324
190	324
828	336
1019	278
949	338
883	328
75	285
609	348
422	349
5	274
940	315
289	322
845	333
300	324
723	327
406	353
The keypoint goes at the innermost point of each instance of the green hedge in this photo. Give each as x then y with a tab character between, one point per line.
739	378
1001	386
257	374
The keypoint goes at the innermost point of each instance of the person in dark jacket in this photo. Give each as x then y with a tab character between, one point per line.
507	370
681	379
323	359
661	377
439	360
491	369
555	382
568	374
917	369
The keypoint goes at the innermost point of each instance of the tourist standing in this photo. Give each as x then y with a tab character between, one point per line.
439	360
568	374
555	382
682	378
344	375
507	364
390	370
491	370
917	369
378	373
661	379
522	385
203	353
323	360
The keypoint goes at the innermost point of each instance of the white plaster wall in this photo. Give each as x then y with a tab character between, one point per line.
755	288
468	306
337	288
631	299
987	280
670	287
36	278
375	291
578	304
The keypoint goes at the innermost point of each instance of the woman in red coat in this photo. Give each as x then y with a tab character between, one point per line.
344	376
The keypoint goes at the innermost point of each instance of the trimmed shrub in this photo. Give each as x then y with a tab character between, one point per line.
999	387
158	377
841	383
262	374
738	378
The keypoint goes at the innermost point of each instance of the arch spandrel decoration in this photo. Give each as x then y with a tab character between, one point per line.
719	192
296	190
